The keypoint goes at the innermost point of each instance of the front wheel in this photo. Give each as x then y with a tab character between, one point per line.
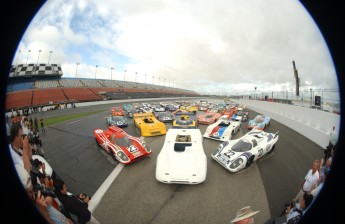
272	149
250	161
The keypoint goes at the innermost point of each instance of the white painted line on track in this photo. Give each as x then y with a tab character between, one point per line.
81	119
97	197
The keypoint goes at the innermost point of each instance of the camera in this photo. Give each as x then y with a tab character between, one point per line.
292	204
44	191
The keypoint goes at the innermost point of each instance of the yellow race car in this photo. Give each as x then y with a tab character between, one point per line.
184	120
148	124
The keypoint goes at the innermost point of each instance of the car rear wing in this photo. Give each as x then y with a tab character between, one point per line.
138	115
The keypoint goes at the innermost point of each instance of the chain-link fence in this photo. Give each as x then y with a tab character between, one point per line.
326	99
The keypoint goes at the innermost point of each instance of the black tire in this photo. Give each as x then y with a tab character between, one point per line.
272	149
250	161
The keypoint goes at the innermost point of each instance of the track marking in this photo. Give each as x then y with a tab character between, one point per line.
97	197
81	119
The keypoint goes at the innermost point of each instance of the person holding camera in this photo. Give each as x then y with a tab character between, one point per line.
77	205
20	148
294	211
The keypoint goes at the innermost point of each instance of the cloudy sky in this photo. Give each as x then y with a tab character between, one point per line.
209	46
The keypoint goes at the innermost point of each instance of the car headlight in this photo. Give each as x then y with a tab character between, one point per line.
236	163
146	147
122	156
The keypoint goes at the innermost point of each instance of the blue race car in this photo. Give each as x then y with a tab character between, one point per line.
118	121
260	122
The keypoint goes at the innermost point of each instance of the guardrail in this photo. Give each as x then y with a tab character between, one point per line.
311	123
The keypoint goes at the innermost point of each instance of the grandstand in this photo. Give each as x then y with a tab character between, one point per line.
39	85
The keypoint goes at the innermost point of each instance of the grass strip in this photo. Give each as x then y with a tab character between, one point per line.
59	119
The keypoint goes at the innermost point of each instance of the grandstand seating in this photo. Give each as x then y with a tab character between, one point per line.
47	96
22	98
81	94
32	85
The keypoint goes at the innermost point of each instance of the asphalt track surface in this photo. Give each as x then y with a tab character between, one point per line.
135	196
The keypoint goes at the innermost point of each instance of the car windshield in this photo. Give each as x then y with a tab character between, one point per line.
123	141
239	113
117	118
241	146
259	119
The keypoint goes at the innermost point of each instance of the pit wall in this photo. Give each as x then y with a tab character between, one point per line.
312	123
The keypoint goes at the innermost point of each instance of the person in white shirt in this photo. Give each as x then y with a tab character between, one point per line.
309	180
20	149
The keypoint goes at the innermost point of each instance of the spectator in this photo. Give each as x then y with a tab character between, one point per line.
42	125
319	184
244	216
20	149
294	211
73	204
333	138
328	151
39	200
36	123
326	167
24	122
294	214
31	122
309	180
37	142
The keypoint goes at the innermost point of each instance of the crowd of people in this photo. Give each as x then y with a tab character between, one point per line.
308	190
48	192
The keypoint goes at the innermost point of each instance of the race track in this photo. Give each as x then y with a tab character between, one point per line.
136	196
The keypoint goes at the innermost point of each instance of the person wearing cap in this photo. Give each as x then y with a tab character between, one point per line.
244	216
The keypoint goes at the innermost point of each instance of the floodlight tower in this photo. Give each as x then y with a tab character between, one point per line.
295	72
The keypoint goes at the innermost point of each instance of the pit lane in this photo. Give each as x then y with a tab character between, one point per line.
136	196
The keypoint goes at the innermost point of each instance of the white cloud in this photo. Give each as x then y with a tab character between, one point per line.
210	46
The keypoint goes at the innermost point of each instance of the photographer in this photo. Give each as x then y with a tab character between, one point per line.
293	211
73	204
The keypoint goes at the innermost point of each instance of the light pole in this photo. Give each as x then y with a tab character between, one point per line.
164	83
159	81
96	71
18	57
136	76
50	53
111	73
145	78
124	75
76	69
153	78
311	97
39	52
28	56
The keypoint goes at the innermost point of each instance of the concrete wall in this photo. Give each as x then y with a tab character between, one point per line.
312	123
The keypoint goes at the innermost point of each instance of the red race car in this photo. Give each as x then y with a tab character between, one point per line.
124	147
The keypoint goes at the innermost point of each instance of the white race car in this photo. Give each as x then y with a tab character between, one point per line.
223	129
238	154
182	159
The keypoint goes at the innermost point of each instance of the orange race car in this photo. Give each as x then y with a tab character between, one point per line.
208	118
117	111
